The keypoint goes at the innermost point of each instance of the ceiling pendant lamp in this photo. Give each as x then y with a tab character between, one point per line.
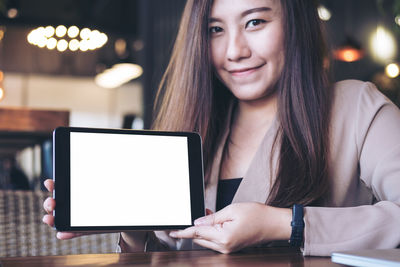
349	51
62	38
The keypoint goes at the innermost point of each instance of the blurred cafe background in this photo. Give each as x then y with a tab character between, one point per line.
97	63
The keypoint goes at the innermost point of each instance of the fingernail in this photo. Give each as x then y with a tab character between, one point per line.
172	234
199	221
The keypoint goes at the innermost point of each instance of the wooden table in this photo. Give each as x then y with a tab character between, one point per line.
251	257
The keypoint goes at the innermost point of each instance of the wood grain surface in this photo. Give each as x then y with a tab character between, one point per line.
249	257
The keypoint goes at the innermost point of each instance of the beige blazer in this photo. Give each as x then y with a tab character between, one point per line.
364	208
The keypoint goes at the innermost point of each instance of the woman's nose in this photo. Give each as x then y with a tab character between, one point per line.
237	47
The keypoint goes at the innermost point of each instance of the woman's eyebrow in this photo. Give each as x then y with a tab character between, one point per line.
210	20
254	10
244	13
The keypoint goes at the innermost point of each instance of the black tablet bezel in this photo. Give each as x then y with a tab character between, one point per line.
61	177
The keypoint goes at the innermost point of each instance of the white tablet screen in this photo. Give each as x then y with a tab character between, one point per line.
124	180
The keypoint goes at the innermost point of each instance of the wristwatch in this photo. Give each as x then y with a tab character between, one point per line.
296	238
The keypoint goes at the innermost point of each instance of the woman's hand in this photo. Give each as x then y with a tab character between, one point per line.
238	226
132	241
49	205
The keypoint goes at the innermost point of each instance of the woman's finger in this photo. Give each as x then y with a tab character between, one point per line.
67	235
48	219
49	184
211	233
49	205
218	217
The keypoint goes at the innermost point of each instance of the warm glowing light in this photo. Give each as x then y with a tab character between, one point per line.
51	38
118	75
85	33
94	39
120	47
40	31
84	45
383	45
348	54
103	39
12	13
41	41
92	44
324	13
138	45
1	93
62	45
61	30
397	20
73	31
1	34
73	45
32	37
392	70
49	31
1	87
51	43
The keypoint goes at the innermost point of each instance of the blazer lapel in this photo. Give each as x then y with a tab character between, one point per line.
256	184
212	184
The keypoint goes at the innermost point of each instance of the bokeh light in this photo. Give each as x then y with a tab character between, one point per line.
49	31
62	45
73	31
85	33
50	37
383	45
51	43
118	75
392	70
61	30
324	13
1	93
73	45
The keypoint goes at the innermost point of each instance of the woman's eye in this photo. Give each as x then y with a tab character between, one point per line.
255	22
215	29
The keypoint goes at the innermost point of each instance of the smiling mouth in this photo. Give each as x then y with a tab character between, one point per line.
244	71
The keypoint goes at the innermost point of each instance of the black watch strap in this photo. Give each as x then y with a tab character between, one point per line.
296	238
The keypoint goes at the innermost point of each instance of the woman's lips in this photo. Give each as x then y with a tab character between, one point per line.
244	71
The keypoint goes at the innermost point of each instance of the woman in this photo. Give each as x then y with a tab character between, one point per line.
255	87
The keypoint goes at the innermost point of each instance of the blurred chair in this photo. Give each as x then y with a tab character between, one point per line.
22	232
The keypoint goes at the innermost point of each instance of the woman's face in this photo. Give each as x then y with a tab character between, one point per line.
247	46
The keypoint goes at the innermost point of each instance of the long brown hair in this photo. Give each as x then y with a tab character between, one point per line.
191	98
304	99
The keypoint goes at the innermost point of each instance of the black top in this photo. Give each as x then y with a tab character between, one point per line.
226	191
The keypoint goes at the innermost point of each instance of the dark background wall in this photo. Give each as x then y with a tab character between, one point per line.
159	28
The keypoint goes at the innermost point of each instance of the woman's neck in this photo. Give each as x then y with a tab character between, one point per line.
256	115
251	122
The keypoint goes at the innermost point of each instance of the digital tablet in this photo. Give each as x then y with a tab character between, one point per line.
109	179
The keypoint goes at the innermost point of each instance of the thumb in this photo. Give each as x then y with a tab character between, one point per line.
214	218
